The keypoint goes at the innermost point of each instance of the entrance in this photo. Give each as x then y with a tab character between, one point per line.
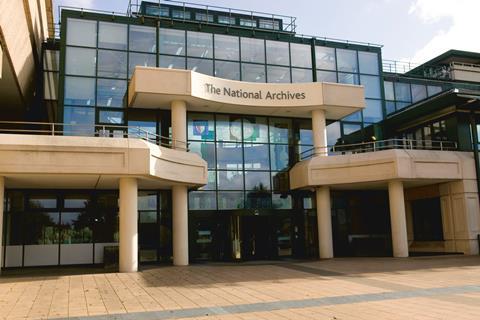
256	238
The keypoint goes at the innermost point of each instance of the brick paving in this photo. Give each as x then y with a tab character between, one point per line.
446	287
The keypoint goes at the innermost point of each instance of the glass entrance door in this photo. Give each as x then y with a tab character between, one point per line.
257	238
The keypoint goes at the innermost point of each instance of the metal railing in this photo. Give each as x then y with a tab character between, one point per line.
89	130
373	146
394	66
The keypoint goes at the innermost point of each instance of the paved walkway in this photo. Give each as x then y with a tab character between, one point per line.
445	287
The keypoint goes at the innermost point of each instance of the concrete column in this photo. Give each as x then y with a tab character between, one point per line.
128	245
324	221
180	225
2	197
179	124
398	219
319	130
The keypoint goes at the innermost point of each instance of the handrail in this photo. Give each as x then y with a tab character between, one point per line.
97	130
373	146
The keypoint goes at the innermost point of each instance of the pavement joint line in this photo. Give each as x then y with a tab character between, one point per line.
285	304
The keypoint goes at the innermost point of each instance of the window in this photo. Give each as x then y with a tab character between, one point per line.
227	47
202	200
171	62
333	133
75	228
301	75
143	39
177	14
112	36
206	150
368	62
278	74
373	111
347	60
227	70
389	93
280	130
157	11
350	128
257	181
402	92
201	127
255	129
372	86
230	180
81	33
326	76
80	61
111	93
229	156
228	128
269	24
301	55
226	20
248	23
200	65
79	121
253	72
79	91
112	64
278	53
42	228
172	42
279	155
419	92
325	58
253	50
256	156
203	17
199	44
348	78
433	90
228	200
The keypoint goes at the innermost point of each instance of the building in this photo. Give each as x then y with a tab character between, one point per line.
182	133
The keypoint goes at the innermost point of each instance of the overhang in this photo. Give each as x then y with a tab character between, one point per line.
156	88
33	161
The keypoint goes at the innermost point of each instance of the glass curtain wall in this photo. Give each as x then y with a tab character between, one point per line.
248	158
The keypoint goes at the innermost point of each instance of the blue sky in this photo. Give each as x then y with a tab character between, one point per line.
410	30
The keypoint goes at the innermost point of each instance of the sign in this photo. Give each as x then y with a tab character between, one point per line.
255	95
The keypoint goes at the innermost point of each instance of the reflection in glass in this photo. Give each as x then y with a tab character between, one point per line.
350	128
433	90
305	132
255	129
227	70
279	156
258	199
229	156
76	201
170	62
143	39
302	75
419	92
326	76
75	227
253	72
111	93
206	150
199	44
253	50
201	126
348	78
373	111
389	106
388	88
140	59
112	64
368	62
333	133
229	128
230	180
79	91
211	181
325	58
146	217
356	116
79	121
172	42
372	86
227	47
280	130
42	228
282	201
257	181
80	61
147	200
278	74
202	200
42	202
200	65
112	36
81	33
256	156
228	200
347	60
402	92
301	55
111	117
278	53
280	181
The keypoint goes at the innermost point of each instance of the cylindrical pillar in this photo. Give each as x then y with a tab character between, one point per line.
324	221
180	225
128	229
2	196
179	124
319	131
398	219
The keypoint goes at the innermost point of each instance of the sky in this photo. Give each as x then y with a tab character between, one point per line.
410	30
